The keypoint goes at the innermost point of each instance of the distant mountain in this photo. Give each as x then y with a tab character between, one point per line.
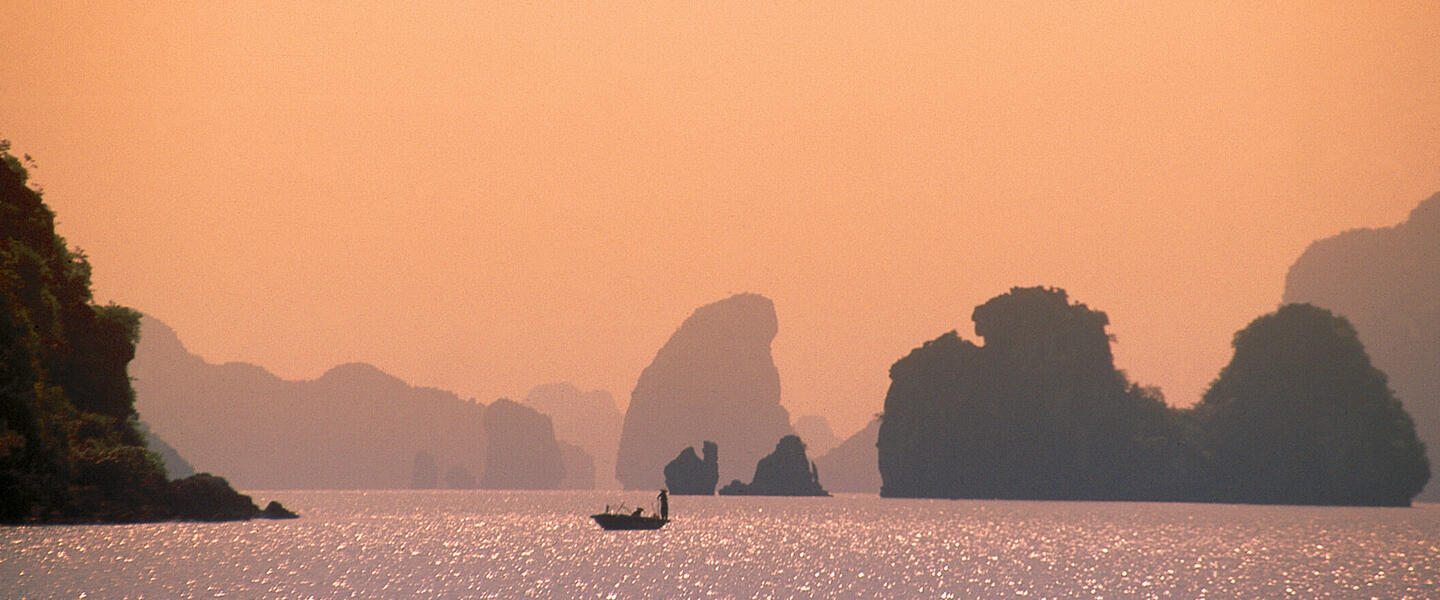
714	380
523	453
355	427
816	432
1386	282
854	465
589	420
579	468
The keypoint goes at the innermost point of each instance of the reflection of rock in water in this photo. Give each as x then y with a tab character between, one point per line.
1386	282
689	475
785	472
713	380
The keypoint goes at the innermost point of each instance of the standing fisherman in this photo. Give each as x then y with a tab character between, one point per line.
664	505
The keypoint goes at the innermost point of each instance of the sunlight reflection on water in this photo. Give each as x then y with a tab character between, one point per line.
402	544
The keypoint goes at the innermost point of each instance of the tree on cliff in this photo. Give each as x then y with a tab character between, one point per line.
1300	416
1038	412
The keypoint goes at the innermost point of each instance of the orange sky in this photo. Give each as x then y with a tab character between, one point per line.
486	199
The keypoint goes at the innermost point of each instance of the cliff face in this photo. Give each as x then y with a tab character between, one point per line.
713	380
854	465
1386	282
784	472
589	420
353	428
523	453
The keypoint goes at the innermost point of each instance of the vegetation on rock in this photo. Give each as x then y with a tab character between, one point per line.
70	445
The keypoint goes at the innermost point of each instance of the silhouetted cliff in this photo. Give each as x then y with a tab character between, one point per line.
784	472
713	380
1387	283
353	428
689	475
522	452
1038	412
1299	416
589	420
854	465
70	448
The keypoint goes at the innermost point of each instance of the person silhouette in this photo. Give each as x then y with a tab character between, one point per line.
664	505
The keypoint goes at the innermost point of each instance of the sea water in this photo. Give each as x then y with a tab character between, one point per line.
480	544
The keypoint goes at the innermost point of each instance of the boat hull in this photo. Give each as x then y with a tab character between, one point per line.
614	521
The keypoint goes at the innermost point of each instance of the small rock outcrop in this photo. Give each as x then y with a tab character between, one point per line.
689	475
206	497
714	379
275	510
785	472
522	452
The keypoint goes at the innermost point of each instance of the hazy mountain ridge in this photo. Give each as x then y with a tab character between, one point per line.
353	427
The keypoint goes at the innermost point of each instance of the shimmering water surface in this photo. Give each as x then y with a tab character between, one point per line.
402	544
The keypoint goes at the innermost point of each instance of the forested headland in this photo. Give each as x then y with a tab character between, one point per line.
70	449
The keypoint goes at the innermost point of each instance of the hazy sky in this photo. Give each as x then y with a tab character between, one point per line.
486	199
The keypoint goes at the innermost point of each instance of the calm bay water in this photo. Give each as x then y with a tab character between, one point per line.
473	544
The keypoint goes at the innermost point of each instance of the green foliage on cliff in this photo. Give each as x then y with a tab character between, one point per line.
69	446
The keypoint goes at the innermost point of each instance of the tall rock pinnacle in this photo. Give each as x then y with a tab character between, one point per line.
713	380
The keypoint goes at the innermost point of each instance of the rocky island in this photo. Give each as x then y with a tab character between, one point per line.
688	475
784	472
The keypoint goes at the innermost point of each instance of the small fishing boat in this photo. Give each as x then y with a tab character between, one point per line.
612	521
617	520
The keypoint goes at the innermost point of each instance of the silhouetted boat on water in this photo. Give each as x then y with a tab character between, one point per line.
635	520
